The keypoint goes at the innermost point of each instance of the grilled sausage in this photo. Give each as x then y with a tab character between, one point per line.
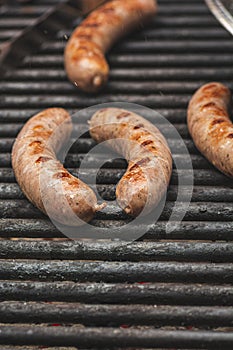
210	126
42	178
85	63
150	161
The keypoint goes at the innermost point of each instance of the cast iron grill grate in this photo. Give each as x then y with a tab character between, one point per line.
169	291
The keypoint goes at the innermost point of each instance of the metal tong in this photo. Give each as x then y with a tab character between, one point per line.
46	26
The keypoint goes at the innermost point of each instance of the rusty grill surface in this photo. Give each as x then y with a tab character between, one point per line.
170	291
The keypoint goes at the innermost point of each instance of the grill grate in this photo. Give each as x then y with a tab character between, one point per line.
170	290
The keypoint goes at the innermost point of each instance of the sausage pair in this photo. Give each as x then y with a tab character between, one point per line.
47	184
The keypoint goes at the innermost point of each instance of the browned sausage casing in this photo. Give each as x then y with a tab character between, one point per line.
150	161
85	62
210	126
42	178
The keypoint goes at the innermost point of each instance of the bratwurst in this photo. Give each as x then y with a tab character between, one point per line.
41	176
210	126
85	62
148	155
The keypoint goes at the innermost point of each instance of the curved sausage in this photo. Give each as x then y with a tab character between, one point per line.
210	126
150	161
85	63
42	178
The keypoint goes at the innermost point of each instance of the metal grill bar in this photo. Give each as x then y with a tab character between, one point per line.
114	272
140	251
72	101
168	33
18	23
199	211
188	230
137	59
99	337
148	293
116	315
16	115
201	194
138	74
